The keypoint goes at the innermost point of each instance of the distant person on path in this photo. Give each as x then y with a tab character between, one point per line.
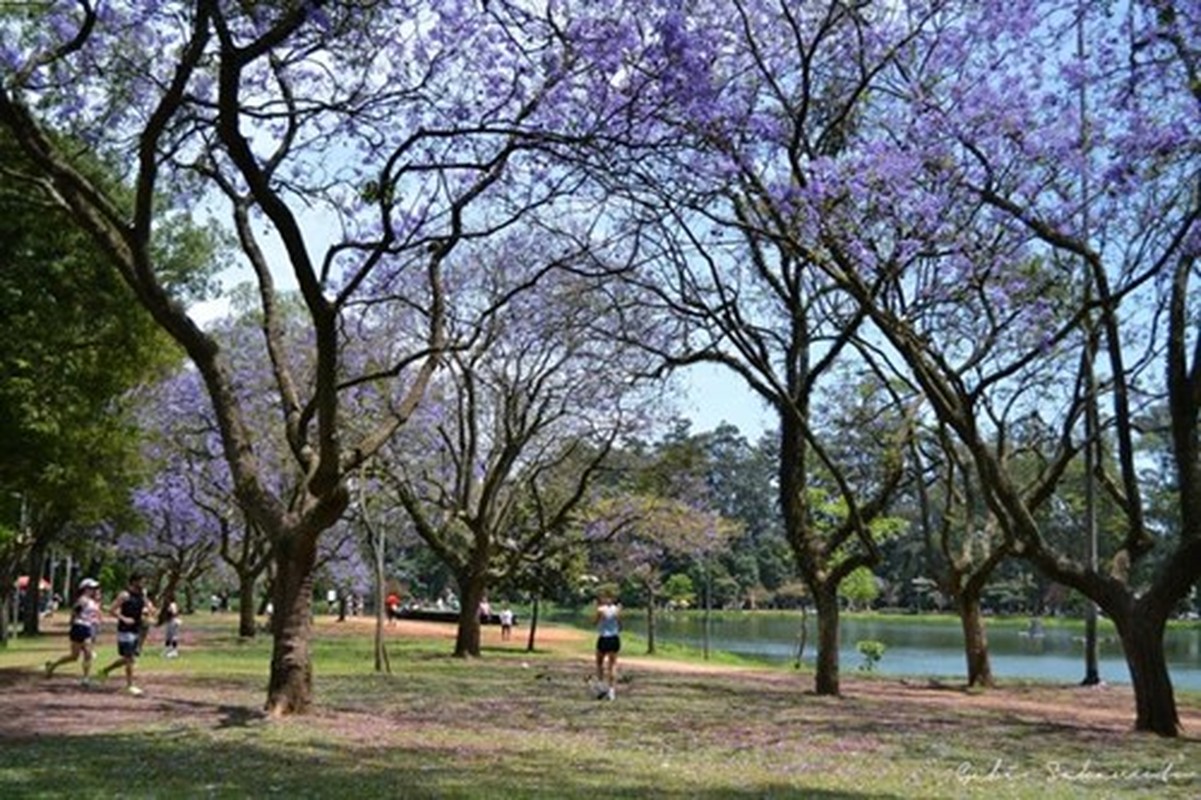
85	626
171	637
392	604
608	645
506	624
130	607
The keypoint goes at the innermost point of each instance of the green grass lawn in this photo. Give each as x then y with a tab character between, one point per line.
514	725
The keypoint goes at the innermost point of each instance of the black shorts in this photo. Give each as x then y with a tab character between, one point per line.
82	633
608	644
127	644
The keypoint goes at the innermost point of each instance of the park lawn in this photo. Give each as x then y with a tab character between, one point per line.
514	724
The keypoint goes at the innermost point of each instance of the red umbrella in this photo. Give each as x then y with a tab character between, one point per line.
23	582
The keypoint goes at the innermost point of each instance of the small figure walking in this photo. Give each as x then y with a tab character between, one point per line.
171	636
392	605
608	645
506	624
85	626
130	606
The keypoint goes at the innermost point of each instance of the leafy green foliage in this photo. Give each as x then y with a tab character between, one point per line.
76	342
679	589
860	588
872	651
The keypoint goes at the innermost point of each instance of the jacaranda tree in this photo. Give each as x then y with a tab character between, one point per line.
1065	134
351	147
535	393
959	170
994	188
753	99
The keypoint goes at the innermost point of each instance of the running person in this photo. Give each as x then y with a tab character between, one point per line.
85	626
171	639
129	608
608	645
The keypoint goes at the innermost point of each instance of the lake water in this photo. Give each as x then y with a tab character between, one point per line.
924	648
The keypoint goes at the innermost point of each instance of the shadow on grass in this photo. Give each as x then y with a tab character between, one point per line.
181	765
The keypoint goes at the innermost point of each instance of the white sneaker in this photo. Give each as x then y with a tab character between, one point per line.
133	690
611	694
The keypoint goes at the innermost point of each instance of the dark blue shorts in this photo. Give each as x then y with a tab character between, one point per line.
82	633
608	644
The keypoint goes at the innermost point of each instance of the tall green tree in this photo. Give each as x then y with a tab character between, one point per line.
75	344
740	477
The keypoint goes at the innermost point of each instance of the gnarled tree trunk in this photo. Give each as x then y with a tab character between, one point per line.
290	689
472	589
1142	633
975	639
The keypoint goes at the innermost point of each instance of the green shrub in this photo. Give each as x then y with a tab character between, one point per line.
872	651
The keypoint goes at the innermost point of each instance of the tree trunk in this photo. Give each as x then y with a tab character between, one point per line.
290	689
826	680
467	640
975	641
246	606
1092	668
381	599
33	589
1142	640
8	597
529	644
802	635
650	621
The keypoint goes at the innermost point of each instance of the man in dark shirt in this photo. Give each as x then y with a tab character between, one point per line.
129	607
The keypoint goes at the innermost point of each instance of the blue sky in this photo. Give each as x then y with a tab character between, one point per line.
715	395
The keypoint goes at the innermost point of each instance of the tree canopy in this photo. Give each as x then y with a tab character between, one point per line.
976	221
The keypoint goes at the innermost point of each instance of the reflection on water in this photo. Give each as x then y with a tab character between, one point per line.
928	649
